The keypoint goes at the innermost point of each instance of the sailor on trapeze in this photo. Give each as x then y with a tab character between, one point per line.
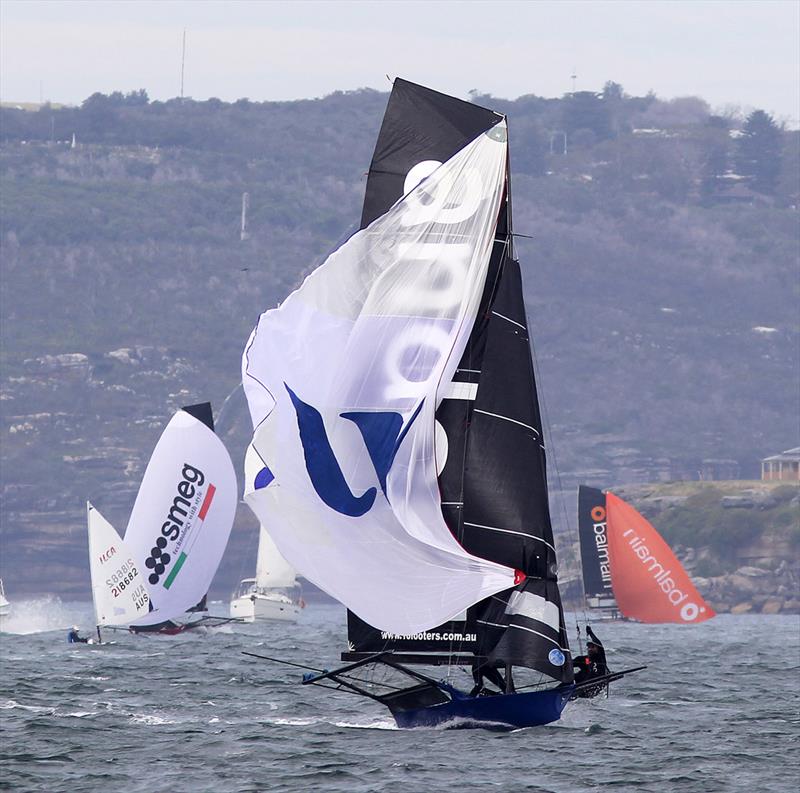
593	664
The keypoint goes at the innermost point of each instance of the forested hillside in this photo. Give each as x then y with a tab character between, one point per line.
660	264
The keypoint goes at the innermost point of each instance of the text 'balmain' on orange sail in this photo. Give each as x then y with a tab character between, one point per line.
650	584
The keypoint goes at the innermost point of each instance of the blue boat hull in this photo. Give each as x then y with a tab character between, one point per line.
502	712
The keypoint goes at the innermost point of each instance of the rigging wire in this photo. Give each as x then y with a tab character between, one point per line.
552	453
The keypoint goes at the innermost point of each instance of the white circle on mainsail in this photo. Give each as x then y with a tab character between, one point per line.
440	445
419	172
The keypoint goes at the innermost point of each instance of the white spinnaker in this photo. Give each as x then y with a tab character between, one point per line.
364	342
182	517
118	589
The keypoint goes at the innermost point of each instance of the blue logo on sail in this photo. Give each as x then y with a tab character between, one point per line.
382	432
556	657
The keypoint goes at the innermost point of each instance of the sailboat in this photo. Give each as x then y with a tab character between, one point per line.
274	593
156	580
402	460
628	568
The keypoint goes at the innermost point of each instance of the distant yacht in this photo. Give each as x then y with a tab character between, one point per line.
5	606
274	594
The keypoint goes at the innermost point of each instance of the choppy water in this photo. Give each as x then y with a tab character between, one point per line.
718	710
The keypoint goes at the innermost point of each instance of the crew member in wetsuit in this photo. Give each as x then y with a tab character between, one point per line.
593	664
73	637
485	668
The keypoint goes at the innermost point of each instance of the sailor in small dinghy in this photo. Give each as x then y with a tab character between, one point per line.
593	664
73	637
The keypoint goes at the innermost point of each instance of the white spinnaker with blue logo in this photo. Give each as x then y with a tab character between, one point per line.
182	517
343	381
118	590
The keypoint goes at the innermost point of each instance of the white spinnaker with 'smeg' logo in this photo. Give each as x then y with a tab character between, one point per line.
182	517
342	382
118	589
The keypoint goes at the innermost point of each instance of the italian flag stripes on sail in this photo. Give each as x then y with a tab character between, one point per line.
209	497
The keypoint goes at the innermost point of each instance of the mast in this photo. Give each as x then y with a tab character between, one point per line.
91	568
421	129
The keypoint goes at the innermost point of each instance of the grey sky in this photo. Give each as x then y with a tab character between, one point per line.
728	51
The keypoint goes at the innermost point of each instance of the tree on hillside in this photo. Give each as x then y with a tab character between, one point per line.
758	152
714	167
586	110
613	92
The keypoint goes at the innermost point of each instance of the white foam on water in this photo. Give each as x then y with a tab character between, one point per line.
373	725
46	613
151	719
10	704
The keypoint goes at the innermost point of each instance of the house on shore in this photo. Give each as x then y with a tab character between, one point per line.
782	467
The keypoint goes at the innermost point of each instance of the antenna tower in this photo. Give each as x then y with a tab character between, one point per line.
244	234
183	60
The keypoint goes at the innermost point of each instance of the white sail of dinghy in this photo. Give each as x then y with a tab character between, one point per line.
343	382
118	589
183	514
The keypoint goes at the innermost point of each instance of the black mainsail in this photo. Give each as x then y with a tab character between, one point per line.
593	535
492	478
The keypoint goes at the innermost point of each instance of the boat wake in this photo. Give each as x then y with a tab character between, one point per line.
375	724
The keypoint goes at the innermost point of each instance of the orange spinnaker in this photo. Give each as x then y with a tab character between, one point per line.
650	585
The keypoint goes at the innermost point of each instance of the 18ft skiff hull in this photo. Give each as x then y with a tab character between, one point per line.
502	711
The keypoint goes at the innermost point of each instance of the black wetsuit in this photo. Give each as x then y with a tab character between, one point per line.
74	638
593	664
491	673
